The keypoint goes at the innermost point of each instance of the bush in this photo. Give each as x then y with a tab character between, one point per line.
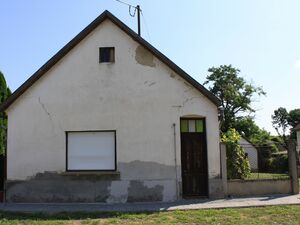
272	162
238	166
279	163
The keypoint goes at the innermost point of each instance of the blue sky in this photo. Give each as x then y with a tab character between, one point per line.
259	37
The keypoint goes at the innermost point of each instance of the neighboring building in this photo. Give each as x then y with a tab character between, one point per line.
111	119
251	152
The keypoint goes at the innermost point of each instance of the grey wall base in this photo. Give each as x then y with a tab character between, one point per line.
83	190
216	189
53	187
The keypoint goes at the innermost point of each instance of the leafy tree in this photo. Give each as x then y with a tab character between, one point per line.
294	117
4	93
246	126
280	121
238	166
249	130
235	93
283	120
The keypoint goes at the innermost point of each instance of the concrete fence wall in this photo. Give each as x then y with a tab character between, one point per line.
238	188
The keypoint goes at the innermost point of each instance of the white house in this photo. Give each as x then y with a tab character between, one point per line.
251	152
111	119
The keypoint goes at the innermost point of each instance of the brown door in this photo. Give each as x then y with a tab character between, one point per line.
194	158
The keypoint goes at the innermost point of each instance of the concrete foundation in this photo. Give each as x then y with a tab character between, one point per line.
81	188
52	187
216	189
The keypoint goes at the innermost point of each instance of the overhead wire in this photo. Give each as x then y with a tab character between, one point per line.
144	20
134	13
124	3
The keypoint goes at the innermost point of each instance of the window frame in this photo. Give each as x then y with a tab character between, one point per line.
203	119
109	48
92	170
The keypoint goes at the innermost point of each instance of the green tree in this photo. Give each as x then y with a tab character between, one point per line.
283	120
280	122
238	166
4	93
294	117
246	126
235	93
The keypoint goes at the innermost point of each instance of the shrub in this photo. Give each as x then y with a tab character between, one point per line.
279	163
238	166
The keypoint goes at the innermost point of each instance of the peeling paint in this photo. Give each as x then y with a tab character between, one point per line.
187	84
145	170
172	75
118	192
144	57
58	191
57	187
139	192
153	83
216	189
65	176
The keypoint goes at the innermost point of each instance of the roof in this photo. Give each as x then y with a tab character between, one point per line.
61	53
249	143
297	127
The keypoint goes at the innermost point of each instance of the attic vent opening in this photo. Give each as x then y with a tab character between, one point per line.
107	55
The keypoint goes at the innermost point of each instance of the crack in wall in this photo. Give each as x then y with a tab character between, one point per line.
188	100
49	116
45	109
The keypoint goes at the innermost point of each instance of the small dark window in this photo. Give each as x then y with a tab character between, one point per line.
107	54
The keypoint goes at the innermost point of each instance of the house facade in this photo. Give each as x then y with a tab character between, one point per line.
111	119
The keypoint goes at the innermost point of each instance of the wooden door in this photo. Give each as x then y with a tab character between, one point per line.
194	159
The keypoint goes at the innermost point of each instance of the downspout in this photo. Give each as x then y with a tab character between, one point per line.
175	161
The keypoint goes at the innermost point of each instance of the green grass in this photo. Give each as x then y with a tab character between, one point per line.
258	215
256	176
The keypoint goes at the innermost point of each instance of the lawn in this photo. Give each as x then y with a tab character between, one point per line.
258	215
255	176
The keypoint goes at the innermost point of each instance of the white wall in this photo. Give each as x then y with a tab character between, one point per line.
140	102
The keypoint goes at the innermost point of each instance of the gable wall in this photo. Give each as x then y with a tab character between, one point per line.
252	153
138	96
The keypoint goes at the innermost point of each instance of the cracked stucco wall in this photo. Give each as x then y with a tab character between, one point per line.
138	96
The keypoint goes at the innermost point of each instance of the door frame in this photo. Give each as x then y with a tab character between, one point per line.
205	146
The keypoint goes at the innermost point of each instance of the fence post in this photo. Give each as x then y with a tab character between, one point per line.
293	166
224	167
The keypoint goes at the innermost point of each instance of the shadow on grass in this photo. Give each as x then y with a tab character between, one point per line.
68	215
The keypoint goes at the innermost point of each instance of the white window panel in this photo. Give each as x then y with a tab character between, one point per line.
91	150
192	126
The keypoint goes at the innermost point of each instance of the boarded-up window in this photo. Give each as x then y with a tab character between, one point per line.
91	150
